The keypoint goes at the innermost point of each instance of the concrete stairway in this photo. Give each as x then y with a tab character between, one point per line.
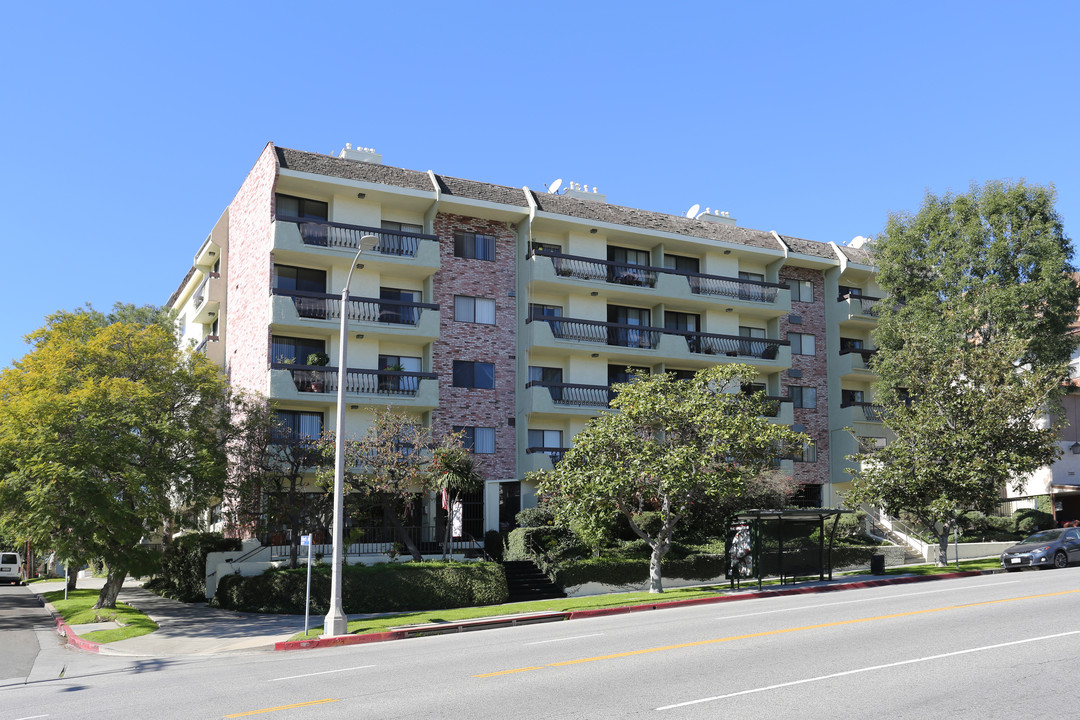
526	582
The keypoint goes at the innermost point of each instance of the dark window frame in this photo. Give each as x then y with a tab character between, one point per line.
474	246
465	374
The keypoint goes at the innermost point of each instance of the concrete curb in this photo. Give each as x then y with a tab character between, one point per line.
484	623
64	630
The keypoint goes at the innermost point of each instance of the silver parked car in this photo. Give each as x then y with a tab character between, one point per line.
1045	549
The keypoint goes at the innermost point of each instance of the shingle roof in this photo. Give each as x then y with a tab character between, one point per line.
556	204
857	255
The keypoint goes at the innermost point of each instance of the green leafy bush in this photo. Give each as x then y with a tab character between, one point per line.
183	565
546	546
1029	520
540	516
388	587
493	544
625	572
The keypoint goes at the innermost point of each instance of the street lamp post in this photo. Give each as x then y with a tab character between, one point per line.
336	623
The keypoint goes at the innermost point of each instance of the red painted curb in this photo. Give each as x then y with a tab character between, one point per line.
623	610
64	630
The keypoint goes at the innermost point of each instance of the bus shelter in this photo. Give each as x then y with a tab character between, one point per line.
788	544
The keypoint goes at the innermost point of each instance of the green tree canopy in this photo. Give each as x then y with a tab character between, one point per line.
105	427
670	444
965	425
993	260
972	349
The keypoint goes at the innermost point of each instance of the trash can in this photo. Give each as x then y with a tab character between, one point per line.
877	564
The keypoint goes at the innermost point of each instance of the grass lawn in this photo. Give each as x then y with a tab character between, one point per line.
382	623
76	610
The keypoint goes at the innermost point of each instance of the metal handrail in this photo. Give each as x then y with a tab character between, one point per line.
324	306
596	331
324	379
341	235
588	268
575	394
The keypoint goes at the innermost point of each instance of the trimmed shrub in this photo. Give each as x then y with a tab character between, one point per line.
493	544
546	546
624	572
1029	520
183	565
539	516
387	587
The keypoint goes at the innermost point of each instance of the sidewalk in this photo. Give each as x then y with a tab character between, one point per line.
189	629
196	629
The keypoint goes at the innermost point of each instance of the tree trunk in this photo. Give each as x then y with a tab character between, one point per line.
656	580
943	545
72	577
399	529
113	582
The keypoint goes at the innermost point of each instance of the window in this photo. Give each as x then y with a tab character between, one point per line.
801	343
298	425
802	396
474	309
756	277
479	440
545	375
399	383
850	344
547	439
293	349
681	374
801	290
474	374
537	310
474	245
545	247
688	322
287	277
848	290
872	444
298	207
402	227
851	397
624	374
627	336
396	311
681	262
808	453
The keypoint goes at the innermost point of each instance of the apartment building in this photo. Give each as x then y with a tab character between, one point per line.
507	313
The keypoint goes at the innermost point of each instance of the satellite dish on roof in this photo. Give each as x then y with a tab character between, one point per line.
693	211
555	186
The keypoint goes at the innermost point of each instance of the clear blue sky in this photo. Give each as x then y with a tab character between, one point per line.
129	126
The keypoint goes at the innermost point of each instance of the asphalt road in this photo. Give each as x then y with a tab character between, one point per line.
22	620
1000	646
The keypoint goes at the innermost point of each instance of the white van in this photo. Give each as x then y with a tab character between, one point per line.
11	569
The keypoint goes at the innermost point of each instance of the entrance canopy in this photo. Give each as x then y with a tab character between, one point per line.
785	543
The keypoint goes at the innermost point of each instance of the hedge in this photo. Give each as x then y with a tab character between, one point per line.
183	565
387	587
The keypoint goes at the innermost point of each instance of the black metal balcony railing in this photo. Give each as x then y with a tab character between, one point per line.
323	306
594	331
201	347
322	379
573	394
339	235
867	304
556	454
872	412
733	345
586	268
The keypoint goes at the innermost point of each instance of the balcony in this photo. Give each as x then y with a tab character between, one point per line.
542	458
401	249
206	309
859	309
565	399
381	387
393	317
681	284
780	409
855	361
862	411
640	337
778	352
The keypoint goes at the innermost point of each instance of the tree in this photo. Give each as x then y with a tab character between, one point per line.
980	286
965	425
671	444
454	473
994	260
392	464
269	464
104	427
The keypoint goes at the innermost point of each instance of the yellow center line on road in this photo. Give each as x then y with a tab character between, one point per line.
282	707
838	623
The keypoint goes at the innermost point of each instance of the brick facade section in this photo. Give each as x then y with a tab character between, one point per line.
815	373
472	341
250	270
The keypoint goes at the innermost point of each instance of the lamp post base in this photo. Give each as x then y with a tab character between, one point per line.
335	623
